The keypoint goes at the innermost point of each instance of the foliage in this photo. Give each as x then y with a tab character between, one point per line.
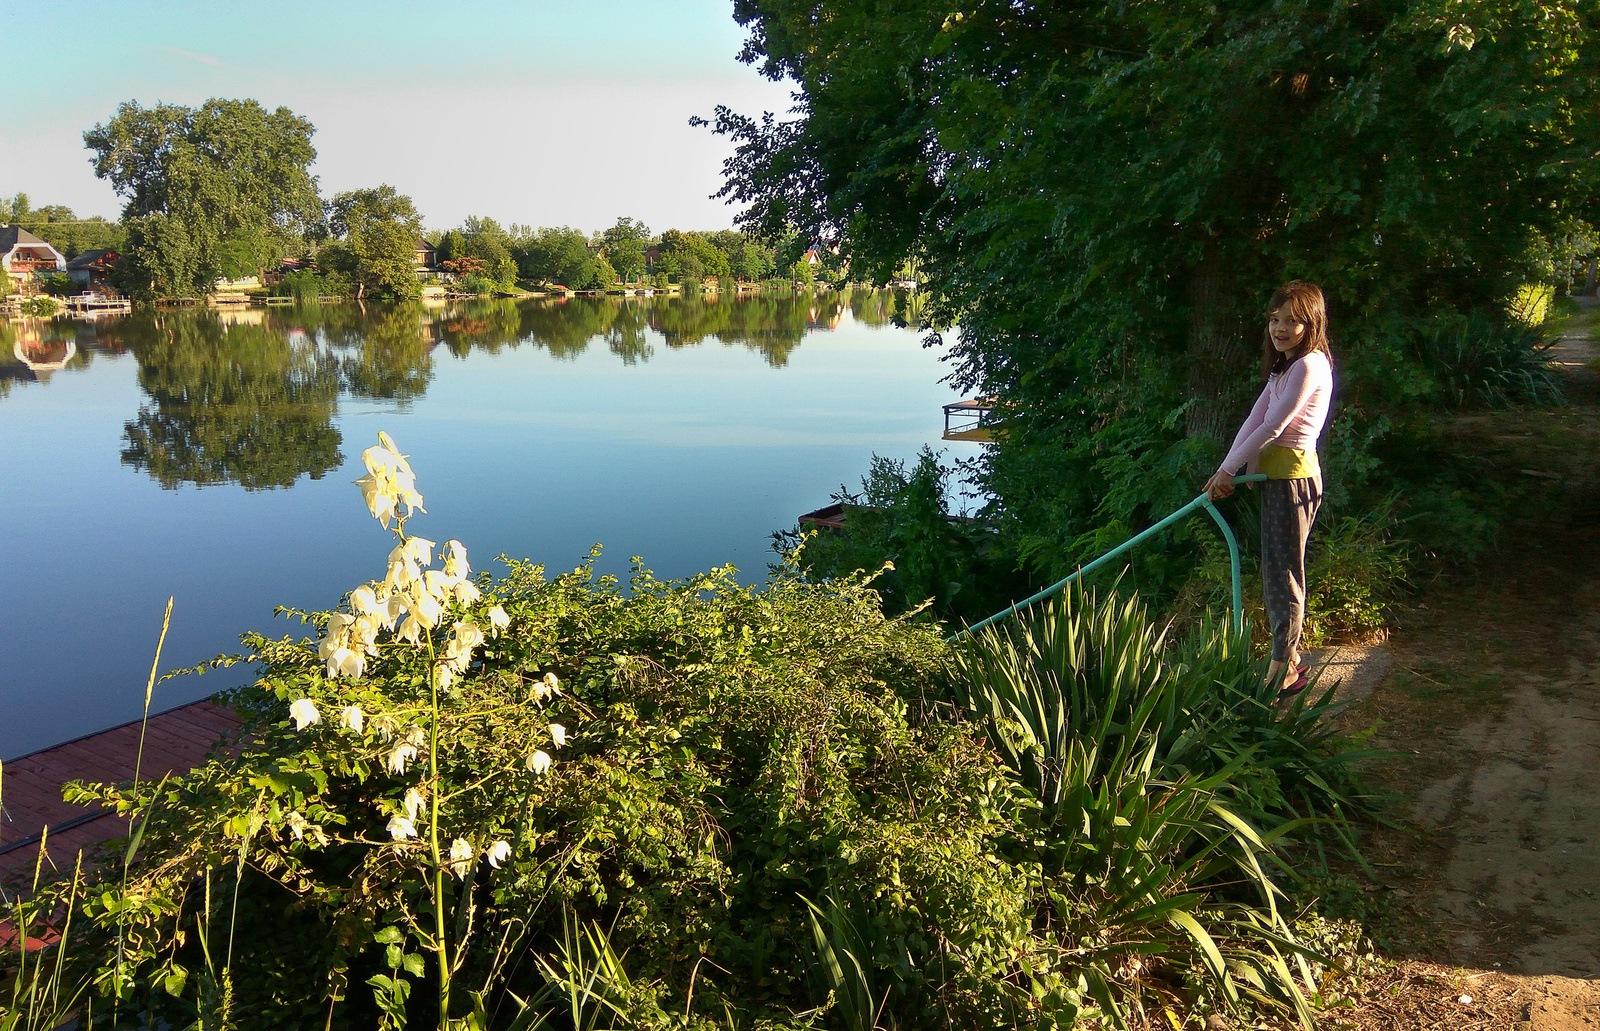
624	247
56	284
899	522
41	306
1479	360
58	226
559	256
211	192
1100	195
378	230
691	256
697	804
305	285
481	246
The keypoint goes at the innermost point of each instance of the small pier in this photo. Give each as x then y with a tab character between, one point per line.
98	304
969	420
175	741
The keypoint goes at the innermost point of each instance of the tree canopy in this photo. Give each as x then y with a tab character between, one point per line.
215	191
624	246
1103	195
379	229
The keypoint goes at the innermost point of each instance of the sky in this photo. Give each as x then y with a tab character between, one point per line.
535	112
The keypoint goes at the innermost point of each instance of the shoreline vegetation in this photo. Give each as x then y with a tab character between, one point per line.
219	202
559	800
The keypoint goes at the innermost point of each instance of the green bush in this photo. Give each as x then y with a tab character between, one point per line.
899	526
39	306
304	285
56	284
1357	568
697	804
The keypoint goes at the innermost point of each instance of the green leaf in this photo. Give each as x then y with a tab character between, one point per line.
176	978
1208	951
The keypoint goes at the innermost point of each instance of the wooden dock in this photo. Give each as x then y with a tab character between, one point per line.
969	420
30	787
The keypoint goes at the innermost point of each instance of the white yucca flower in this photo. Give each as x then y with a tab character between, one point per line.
400	756
498	853
351	718
304	713
455	560
461	855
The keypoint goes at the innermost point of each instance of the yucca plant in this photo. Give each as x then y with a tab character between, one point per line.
1130	749
844	967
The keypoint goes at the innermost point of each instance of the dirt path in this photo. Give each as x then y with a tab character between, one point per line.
1495	885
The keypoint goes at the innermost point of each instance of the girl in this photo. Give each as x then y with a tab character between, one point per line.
1280	439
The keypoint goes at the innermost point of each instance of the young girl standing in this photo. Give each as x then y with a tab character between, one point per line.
1279	438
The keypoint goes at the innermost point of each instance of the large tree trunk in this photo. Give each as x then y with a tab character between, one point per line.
1588	283
1217	353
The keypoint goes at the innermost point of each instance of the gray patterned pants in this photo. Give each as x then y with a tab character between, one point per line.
1288	508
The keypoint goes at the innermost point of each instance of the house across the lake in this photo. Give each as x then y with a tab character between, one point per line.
90	269
426	259
22	254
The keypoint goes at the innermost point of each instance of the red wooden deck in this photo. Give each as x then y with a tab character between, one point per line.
30	787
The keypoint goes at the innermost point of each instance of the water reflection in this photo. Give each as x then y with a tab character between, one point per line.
681	431
250	397
249	403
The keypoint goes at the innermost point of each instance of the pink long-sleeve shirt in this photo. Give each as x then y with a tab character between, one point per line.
1289	413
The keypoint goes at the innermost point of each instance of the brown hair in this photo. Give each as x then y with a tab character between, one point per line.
1307	305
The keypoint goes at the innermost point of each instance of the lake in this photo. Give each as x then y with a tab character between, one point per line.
209	456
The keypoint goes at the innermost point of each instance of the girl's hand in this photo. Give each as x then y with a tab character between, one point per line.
1220	485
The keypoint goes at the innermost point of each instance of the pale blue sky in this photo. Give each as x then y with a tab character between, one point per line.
535	112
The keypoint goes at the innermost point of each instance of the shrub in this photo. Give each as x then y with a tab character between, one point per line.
304	285
1160	773
1356	570
56	284
899	524
39	306
697	804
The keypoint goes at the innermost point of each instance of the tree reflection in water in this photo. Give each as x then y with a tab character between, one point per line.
250	397
242	403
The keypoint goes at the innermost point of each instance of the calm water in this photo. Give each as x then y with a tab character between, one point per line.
210	458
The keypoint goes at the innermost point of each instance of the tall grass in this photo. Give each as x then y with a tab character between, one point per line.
44	995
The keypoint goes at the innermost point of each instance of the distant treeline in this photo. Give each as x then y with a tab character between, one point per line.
224	191
491	256
60	227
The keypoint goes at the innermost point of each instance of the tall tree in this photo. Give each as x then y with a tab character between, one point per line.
1102	194
561	256
378	229
624	247
211	191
